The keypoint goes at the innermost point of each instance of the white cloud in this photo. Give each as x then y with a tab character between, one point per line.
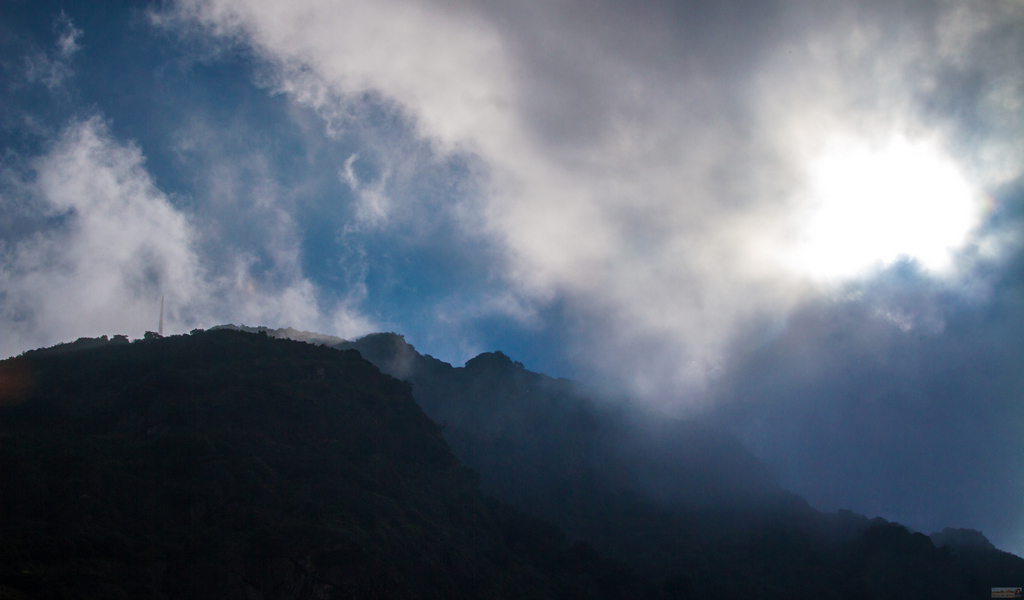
119	247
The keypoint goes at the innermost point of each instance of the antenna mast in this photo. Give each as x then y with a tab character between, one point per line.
161	332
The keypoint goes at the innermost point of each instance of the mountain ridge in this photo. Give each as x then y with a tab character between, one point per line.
533	442
692	495
225	464
390	352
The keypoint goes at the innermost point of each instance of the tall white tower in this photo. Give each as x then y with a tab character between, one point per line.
161	331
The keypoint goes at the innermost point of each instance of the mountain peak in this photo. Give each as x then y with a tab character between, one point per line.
288	333
492	361
961	538
389	351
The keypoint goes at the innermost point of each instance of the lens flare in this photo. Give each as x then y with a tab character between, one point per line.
870	206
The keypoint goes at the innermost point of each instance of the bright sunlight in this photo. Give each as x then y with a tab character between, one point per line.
869	206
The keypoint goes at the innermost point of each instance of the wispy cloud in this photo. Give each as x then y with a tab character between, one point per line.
54	68
67	36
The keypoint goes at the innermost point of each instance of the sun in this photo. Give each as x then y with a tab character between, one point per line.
869	205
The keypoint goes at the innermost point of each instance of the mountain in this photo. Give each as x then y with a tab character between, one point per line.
226	464
288	333
231	464
680	503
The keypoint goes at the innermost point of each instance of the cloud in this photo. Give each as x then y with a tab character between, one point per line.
114	244
644	171
67	36
118	247
643	164
53	68
373	203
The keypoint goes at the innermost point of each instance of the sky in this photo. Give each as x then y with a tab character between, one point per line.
801	221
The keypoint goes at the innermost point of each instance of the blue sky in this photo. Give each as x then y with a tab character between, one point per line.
800	220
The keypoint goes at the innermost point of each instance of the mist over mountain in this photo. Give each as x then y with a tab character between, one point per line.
529	427
675	499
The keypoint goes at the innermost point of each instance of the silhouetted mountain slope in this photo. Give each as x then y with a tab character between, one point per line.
233	465
682	504
607	474
520	421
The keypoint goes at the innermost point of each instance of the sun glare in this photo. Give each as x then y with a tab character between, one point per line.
870	206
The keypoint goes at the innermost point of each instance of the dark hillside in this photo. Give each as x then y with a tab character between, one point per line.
234	465
682	504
